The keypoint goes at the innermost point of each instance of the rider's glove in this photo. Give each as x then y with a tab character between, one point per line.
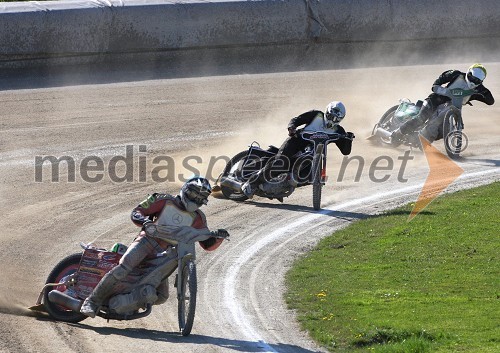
350	135
146	222
292	130
221	233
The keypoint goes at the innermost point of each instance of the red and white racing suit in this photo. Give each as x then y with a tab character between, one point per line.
141	258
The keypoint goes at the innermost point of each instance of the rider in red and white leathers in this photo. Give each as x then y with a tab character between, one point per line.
176	217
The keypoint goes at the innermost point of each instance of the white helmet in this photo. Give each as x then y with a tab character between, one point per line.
334	113
194	193
475	75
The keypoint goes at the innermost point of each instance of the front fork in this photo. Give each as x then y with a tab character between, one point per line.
319	161
185	253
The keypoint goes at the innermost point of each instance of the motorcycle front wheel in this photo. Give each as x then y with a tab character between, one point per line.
187	298
317	185
64	268
452	134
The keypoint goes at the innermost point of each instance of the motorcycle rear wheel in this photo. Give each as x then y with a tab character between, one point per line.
187	298
65	267
227	191
388	115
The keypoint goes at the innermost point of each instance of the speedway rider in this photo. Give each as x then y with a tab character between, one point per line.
471	80
176	217
314	120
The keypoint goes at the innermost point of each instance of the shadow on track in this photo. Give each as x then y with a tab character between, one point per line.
308	209
174	337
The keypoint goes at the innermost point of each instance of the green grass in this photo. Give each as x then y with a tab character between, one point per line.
387	285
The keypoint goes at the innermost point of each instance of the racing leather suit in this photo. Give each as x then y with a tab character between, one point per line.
313	121
453	79
168	213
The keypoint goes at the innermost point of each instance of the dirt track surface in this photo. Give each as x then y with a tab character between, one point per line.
240	303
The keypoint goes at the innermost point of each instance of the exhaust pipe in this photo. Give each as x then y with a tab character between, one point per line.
65	300
383	133
230	183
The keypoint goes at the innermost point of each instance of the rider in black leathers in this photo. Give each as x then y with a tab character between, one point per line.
314	120
472	79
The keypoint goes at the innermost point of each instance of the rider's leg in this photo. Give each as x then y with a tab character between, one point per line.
137	251
432	130
280	162
414	124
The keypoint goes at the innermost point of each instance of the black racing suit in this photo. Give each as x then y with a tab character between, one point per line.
284	159
434	100
296	143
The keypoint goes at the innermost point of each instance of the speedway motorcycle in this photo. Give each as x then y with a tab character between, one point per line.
450	121
74	277
309	168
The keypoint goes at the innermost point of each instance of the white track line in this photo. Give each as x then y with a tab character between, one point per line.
239	318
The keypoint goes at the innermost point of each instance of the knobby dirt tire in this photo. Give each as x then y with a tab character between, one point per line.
385	118
65	267
317	186
226	191
187	298
452	138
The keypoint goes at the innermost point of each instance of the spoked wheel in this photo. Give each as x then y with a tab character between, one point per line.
232	168
317	185
187	298
384	123
66	267
454	141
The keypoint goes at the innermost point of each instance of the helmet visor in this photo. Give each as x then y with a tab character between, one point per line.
335	115
196	197
474	79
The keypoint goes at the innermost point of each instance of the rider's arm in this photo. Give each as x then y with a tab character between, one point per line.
210	243
303	119
447	77
147	210
483	95
343	144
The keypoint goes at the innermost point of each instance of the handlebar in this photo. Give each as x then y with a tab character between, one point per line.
173	234
326	137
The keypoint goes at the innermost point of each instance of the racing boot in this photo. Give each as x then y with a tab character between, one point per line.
101	292
248	189
89	308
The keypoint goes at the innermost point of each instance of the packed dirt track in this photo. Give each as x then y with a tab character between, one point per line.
199	121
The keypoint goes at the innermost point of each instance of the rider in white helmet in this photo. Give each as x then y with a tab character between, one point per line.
314	120
470	80
177	217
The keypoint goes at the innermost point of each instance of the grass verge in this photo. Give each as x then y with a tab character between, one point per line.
387	285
